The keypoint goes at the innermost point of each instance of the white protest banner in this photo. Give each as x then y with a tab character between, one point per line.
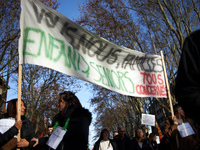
148	119
51	40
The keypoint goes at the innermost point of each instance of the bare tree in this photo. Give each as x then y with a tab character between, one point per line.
40	86
148	26
9	33
114	109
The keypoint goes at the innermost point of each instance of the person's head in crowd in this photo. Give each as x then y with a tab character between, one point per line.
66	100
50	129
121	131
12	108
140	135
104	135
152	137
179	112
115	133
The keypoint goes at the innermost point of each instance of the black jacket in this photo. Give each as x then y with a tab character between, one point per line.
27	132
187	87
76	137
122	144
153	145
97	144
135	145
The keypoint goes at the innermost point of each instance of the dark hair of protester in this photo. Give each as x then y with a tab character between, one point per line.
151	136
102	132
71	100
50	126
153	143
120	127
176	107
11	108
143	138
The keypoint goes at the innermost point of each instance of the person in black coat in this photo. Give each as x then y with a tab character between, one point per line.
152	141
188	77
164	143
122	140
78	120
104	142
27	129
140	142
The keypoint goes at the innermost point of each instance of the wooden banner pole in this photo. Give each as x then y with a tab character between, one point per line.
19	98
167	84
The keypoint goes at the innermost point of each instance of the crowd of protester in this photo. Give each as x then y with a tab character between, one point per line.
76	120
171	140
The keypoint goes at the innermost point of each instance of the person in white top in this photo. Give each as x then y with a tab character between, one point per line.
104	143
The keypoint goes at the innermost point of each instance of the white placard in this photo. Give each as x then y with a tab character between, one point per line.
185	129
110	148
56	137
6	124
157	139
148	119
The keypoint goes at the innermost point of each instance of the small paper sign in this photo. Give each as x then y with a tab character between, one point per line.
157	139
148	119
185	129
6	124
56	137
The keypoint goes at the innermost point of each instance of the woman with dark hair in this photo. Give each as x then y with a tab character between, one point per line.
140	142
104	143
72	118
152	141
27	129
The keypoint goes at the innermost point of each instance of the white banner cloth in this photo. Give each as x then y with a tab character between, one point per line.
51	40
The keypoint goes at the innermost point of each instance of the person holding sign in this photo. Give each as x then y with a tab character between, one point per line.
104	143
7	139
70	126
174	128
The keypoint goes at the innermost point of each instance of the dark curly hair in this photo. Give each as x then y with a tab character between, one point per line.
151	136
136	136
176	107
70	99
101	134
11	108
